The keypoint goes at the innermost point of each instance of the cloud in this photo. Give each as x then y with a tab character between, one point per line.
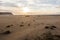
42	6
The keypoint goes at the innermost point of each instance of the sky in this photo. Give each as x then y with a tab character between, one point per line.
33	5
28	2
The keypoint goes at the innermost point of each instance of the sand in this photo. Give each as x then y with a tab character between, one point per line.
32	27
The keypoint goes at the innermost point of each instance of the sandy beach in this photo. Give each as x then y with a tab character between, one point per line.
29	27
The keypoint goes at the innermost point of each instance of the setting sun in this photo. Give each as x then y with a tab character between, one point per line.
26	9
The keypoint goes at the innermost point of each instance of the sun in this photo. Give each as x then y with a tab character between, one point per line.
26	9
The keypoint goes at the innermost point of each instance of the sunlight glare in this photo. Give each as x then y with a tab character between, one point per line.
26	9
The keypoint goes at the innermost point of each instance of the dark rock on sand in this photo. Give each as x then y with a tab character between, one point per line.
6	32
